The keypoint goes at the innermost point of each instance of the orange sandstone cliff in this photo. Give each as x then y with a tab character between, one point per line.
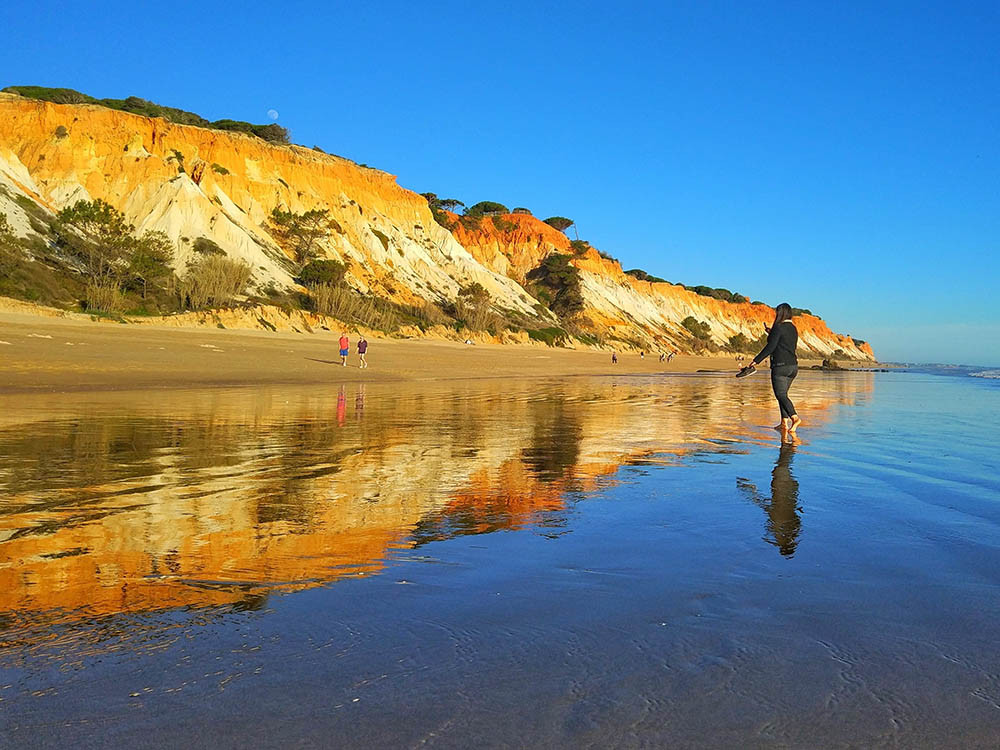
192	182
648	314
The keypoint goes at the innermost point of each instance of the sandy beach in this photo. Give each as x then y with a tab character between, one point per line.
47	353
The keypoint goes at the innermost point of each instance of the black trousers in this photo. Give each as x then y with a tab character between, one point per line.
781	379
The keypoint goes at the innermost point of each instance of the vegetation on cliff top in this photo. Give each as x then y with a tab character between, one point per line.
133	104
561	223
638	273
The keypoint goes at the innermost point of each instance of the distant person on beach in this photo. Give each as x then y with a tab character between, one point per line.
662	356
362	351
614	358
642	355
782	339
671	356
345	348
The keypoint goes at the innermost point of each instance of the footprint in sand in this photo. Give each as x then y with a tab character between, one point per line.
38	336
5	343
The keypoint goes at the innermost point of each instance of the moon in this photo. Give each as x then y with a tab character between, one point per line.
273	114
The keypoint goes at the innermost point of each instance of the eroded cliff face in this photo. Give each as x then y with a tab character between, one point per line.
648	314
192	182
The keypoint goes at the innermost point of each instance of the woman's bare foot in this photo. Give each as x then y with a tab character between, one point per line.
796	421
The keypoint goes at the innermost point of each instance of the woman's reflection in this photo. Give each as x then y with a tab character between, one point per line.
782	507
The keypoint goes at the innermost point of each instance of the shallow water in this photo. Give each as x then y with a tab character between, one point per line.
585	562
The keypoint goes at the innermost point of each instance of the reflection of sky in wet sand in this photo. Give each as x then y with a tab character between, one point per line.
117	503
626	562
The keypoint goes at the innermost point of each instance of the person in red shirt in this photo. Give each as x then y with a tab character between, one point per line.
345	348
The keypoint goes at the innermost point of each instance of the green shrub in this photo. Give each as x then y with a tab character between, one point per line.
205	246
272	132
486	208
322	272
56	96
740	343
521	210
9	248
219	169
559	222
442	218
698	328
471	223
302	232
61	131
718	293
557	282
438	207
503	225
448	204
638	273
579	247
550	336
111	254
474	308
149	261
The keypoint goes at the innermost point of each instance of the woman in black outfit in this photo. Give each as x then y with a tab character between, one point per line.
782	340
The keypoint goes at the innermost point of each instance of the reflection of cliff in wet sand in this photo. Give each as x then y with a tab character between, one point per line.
116	505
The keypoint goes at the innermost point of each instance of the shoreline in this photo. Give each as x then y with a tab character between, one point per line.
45	354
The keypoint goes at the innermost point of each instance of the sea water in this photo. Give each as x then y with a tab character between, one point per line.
579	563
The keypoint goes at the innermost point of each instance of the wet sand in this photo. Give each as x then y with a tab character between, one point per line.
579	562
59	354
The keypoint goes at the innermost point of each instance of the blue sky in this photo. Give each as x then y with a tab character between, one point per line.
841	156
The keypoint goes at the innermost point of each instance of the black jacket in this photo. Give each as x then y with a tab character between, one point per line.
781	344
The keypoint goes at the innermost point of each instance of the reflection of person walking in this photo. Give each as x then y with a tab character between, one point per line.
362	351
345	348
784	525
341	407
